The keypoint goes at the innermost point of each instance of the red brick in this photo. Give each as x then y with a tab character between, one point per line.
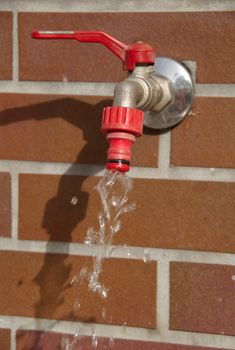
5	339
196	215
202	37
5	205
61	129
39	287
202	298
6	45
206	138
33	340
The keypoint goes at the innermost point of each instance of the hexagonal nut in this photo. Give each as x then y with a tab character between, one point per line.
166	96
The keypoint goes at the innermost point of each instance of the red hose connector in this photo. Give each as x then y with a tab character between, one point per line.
122	125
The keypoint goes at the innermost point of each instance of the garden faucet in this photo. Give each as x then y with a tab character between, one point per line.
157	93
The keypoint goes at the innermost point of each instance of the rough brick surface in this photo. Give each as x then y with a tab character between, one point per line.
202	298
39	286
6	45
206	138
61	129
202	37
35	340
169	214
5	339
5	205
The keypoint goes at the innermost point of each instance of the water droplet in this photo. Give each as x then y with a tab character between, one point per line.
109	251
111	342
147	256
110	178
82	274
97	263
94	341
66	343
130	207
124	327
77	305
74	200
69	346
77	336
102	220
125	209
74	281
90	237
65	78
88	242
104	293
116	227
93	281
103	313
127	249
116	201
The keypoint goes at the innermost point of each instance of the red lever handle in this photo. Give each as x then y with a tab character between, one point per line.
137	53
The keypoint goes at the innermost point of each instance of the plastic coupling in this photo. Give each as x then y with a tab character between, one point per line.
122	125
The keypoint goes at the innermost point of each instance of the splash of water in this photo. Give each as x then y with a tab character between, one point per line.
146	256
113	189
94	341
111	342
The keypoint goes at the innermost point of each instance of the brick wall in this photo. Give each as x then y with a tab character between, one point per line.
51	150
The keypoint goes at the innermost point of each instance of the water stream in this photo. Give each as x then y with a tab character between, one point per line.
113	189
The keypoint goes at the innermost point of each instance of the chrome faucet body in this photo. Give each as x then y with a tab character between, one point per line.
157	93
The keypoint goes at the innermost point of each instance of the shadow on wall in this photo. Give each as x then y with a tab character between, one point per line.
59	222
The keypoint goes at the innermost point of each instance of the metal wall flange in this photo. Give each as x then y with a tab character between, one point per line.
182	90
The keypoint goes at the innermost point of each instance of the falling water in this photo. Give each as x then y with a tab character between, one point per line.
113	189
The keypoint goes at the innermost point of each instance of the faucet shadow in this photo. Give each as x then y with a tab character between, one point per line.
60	217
